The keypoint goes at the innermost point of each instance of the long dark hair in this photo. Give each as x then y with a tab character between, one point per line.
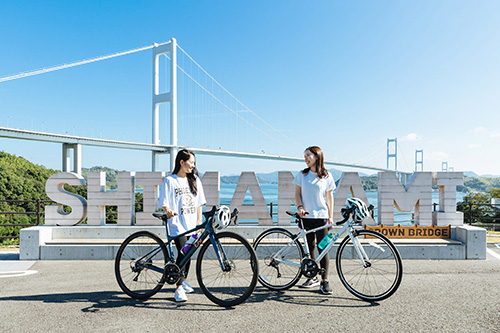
184	155
320	162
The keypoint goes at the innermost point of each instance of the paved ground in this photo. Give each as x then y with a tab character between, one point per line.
82	296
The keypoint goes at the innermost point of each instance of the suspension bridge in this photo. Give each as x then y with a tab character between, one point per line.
226	127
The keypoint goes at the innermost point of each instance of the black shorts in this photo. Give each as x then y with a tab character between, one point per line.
313	223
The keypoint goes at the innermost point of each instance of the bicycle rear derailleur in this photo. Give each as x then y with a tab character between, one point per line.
310	268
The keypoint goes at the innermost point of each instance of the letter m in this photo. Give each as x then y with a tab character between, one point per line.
417	194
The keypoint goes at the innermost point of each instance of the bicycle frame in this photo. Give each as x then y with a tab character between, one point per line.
208	232
346	227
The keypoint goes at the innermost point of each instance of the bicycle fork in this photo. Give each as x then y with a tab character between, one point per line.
221	254
359	250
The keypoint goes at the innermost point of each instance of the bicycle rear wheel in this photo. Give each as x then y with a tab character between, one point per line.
139	265
283	271
236	282
383	272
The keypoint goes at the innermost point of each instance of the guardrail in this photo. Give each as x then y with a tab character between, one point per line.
39	212
482	215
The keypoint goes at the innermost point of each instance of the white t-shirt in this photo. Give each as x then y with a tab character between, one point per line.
176	195
313	192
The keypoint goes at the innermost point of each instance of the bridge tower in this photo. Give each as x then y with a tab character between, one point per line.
419	160
392	152
166	97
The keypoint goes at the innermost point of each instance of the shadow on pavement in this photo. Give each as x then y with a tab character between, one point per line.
307	297
115	299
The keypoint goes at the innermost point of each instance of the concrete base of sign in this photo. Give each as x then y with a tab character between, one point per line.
102	242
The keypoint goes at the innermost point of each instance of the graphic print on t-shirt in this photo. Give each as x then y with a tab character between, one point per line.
181	191
188	206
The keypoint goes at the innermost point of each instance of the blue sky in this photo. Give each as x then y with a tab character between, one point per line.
344	75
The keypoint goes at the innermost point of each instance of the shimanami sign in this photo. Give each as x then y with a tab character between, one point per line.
416	197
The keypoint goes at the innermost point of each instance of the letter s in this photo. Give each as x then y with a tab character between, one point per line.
54	187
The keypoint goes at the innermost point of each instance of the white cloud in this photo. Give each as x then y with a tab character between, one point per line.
473	146
480	130
411	137
486	132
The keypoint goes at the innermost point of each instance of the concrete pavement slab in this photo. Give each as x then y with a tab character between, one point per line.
83	296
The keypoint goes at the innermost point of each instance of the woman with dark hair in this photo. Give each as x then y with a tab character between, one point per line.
314	194
182	198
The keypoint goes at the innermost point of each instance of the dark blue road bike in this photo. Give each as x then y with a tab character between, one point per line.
226	265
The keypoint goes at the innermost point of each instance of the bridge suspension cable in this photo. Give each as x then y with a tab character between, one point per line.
237	100
73	64
213	118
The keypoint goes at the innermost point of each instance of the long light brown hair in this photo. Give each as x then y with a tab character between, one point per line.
320	162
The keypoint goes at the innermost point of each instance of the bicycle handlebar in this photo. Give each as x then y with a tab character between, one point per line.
346	213
163	215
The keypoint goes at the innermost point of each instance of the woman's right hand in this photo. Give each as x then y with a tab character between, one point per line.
301	211
170	213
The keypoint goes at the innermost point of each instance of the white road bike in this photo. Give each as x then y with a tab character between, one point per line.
368	263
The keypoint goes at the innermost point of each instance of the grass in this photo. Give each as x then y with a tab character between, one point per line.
10	248
493	237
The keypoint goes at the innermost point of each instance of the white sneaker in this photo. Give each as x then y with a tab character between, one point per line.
187	288
180	294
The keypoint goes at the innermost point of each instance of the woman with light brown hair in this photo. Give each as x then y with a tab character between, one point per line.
314	198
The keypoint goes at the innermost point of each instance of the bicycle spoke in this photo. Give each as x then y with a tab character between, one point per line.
279	259
231	287
133	263
382	274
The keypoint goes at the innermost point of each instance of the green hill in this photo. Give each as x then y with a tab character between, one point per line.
20	180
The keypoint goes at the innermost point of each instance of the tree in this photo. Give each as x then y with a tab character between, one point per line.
477	207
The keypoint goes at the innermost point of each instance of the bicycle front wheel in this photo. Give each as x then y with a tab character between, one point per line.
279	259
139	265
232	283
382	272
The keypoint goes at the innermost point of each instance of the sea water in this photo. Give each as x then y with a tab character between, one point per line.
270	193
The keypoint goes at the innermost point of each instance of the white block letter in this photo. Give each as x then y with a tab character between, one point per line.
54	187
248	180
99	198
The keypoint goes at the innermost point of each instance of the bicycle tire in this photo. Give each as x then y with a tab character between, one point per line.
137	281
381	278
232	287
274	275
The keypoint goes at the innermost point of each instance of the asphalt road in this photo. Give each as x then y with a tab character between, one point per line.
83	296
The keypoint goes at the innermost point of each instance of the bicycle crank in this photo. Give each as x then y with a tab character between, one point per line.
309	268
172	273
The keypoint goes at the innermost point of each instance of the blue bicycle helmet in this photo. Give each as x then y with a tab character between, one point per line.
358	209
